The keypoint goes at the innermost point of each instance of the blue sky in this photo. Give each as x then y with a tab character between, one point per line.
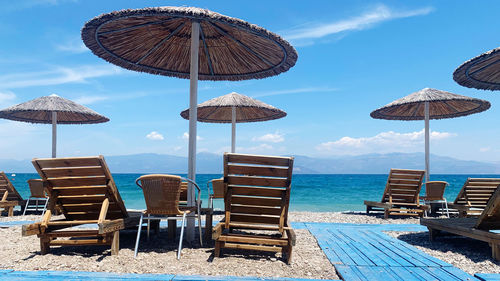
354	57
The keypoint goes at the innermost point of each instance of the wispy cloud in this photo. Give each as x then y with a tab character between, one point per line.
384	142
154	135
74	45
368	19
6	98
58	75
90	99
274	138
294	91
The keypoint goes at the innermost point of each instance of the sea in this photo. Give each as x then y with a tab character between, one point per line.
316	193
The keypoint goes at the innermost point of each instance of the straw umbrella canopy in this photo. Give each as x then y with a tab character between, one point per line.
188	42
481	72
235	108
429	104
53	110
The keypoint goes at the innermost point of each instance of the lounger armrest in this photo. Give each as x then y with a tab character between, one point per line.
217	230
31	229
108	226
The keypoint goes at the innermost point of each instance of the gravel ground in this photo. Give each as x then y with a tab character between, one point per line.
159	256
472	256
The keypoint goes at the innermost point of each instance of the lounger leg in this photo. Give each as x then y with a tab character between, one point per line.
495	251
286	252
26	207
115	243
433	233
44	245
182	236
218	245
11	211
208	224
386	213
138	236
368	209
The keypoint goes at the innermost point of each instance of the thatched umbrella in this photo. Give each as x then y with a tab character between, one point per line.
481	72
166	41
52	110
235	108
430	104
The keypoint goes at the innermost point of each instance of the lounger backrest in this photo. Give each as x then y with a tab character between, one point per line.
79	186
477	192
403	185
6	185
490	217
258	189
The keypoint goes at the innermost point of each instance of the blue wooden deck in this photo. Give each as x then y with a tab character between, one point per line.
488	276
364	252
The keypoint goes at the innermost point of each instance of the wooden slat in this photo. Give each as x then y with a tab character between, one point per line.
82	190
255	210
252	247
72	233
257	181
79	242
68	162
78	181
254	240
256	201
256	191
73	171
95	198
234	169
254	219
259	160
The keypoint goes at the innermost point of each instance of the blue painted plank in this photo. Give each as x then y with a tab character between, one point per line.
441	274
378	257
348	273
459	274
423	274
386	250
488	276
375	273
405	273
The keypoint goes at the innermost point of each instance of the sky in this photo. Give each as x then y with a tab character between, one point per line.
353	57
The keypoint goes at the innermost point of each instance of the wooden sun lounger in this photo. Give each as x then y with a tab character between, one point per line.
475	228
401	194
474	195
9	195
256	200
83	190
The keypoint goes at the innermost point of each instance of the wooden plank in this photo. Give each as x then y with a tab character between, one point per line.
258	159
256	191
73	171
73	233
254	240
376	273
257	181
234	169
348	273
404	273
67	162
252	247
80	242
252	201
71	199
238	218
255	210
78	181
81	190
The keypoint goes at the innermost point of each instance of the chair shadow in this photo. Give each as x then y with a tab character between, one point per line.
475	250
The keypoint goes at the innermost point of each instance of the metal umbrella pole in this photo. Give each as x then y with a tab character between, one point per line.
54	134
233	129
426	109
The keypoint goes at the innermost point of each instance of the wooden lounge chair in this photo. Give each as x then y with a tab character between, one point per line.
400	195
474	196
475	228
9	195
256	200
83	190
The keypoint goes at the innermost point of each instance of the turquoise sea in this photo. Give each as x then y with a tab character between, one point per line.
319	193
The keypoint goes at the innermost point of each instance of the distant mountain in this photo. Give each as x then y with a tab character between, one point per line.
209	163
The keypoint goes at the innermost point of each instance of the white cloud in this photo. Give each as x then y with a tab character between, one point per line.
275	138
58	75
485	149
154	135
6	98
384	142
295	91
73	46
185	136
380	13
262	148
90	99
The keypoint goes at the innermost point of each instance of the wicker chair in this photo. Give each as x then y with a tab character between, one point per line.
219	190
162	194
434	193
38	195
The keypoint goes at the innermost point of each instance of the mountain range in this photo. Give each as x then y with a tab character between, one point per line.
208	163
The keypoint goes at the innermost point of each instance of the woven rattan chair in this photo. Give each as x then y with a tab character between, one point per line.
162	194
219	190
38	195
434	193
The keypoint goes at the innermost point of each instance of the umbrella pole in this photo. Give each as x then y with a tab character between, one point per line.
233	131
426	109
54	134
193	106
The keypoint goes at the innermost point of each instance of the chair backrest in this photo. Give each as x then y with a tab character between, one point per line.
161	193
434	190
79	185
490	217
403	185
37	188
218	187
258	189
476	192
6	185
